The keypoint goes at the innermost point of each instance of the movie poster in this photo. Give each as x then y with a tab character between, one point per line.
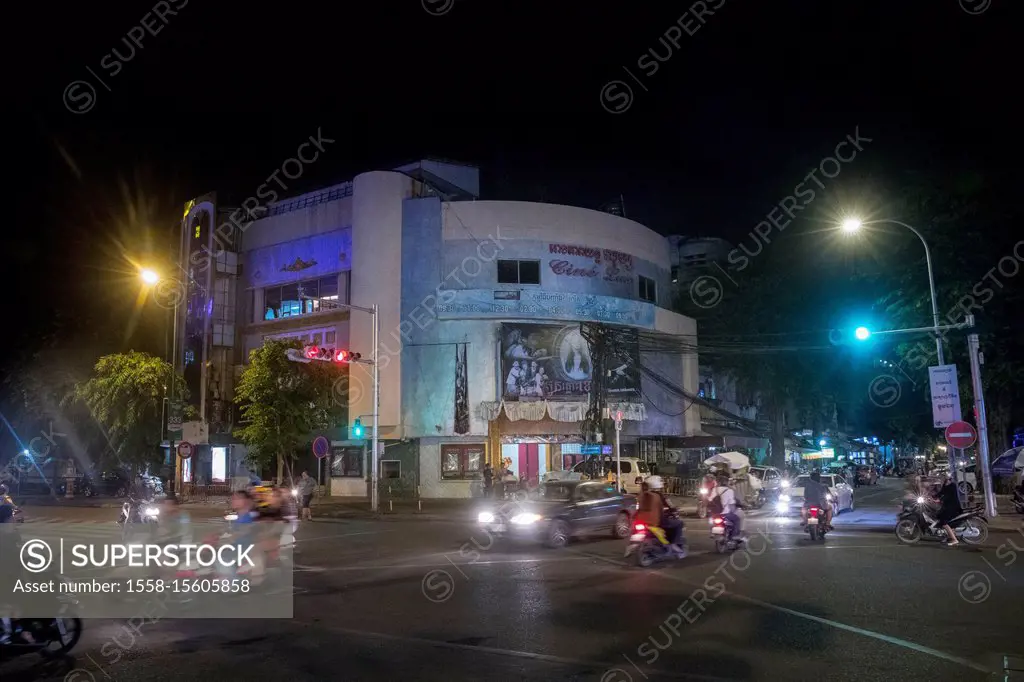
553	362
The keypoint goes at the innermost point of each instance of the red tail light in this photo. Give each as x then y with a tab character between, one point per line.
814	512
639	527
719	521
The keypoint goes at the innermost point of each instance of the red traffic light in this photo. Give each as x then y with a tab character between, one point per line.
346	356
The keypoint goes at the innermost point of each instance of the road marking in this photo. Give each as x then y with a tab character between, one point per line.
343	535
529	655
775	549
825	621
445	565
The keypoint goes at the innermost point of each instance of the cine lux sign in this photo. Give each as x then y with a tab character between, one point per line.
945	395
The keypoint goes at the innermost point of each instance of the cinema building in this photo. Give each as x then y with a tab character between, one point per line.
482	354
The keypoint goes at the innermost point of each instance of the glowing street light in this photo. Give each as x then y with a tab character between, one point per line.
851	225
149	276
862	333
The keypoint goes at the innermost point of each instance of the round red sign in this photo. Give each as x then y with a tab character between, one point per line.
961	435
184	449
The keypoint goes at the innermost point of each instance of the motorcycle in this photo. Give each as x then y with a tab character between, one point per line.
702	504
914	523
723	532
816	523
49	638
136	512
651	545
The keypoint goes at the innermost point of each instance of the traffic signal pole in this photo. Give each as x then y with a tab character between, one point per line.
375	493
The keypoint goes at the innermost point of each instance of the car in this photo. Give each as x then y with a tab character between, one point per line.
768	479
564	510
634	471
967	479
840	491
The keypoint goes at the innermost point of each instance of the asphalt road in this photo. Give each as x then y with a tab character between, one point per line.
382	600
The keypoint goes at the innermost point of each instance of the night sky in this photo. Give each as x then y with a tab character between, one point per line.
225	91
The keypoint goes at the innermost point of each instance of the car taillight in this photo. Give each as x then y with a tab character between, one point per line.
718	521
639	527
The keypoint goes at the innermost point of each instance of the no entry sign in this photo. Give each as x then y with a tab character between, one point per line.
321	446
961	435
184	449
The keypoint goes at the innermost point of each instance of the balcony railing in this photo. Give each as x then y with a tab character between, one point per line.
309	200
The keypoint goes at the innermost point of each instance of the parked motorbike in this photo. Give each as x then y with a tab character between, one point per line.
1018	501
651	545
915	522
816	524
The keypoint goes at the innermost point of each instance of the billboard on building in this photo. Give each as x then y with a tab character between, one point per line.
553	362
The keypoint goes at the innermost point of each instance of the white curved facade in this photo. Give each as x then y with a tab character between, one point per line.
439	272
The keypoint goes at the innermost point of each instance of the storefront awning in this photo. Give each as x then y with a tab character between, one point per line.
559	411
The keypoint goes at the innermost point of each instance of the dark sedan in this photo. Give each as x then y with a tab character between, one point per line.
563	510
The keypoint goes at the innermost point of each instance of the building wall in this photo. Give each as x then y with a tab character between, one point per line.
377	246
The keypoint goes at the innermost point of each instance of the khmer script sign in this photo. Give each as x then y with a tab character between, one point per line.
945	395
546	305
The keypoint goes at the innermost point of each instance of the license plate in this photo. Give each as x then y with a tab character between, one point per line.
812	521
499	527
718	530
637	537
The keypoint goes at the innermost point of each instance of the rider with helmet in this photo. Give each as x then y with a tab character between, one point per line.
656	511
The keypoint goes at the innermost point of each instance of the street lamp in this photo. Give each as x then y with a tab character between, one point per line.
852	225
152	277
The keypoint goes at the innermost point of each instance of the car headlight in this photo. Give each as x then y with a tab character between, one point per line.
782	506
152	511
784	498
231	517
703	491
920	500
485	517
295	492
828	497
525	519
785	484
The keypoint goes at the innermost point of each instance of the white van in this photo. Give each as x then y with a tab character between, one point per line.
634	471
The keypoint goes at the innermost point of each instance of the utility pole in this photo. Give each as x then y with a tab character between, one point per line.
618	456
375	493
981	418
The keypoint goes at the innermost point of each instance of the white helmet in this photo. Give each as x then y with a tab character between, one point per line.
655	482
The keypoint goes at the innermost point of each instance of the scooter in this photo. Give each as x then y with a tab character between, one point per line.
914	523
48	637
816	524
723	532
651	545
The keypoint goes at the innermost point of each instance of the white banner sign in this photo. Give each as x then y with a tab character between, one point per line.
945	395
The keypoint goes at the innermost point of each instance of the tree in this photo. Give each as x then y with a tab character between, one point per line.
964	218
125	398
284	403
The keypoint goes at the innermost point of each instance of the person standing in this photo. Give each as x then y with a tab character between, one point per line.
488	480
306	487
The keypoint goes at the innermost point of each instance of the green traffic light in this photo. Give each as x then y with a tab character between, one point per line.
862	333
357	429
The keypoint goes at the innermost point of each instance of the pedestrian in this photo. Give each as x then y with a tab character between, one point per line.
488	480
306	487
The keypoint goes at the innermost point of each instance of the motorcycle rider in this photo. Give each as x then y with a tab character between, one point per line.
726	496
949	501
815	496
654	511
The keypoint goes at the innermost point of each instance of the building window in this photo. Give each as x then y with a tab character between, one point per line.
301	298
518	272
648	291
347	463
390	468
461	462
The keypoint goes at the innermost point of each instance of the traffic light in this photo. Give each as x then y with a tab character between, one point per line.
346	356
862	333
338	355
357	429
